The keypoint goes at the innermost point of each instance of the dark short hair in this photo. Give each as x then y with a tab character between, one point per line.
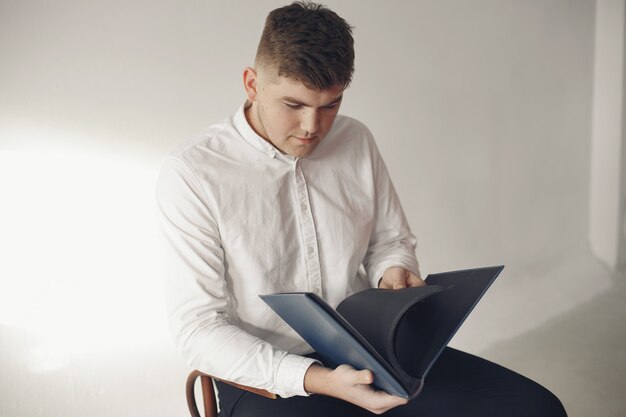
310	43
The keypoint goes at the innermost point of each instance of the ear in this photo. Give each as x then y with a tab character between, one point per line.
250	83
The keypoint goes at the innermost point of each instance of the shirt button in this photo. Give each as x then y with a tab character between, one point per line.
310	250
303	207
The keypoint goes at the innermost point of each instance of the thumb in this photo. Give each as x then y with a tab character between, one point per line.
364	377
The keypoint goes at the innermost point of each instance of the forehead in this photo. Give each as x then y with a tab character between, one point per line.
290	89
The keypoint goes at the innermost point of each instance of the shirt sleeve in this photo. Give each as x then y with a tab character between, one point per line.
198	301
391	242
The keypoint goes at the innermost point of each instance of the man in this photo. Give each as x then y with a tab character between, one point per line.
286	195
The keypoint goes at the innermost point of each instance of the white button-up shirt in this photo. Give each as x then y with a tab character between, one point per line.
243	219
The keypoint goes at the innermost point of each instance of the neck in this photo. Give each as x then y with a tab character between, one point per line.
252	117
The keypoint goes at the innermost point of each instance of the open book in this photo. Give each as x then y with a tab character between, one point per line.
397	334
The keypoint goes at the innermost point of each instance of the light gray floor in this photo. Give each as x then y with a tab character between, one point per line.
581	356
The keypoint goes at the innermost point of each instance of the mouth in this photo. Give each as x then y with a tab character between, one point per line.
305	140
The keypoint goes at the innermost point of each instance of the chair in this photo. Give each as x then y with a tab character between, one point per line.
208	393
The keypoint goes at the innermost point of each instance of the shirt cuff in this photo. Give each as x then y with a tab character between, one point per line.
290	375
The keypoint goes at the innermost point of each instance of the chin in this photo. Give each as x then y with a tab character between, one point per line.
302	153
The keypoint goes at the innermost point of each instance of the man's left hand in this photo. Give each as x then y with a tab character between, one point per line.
397	277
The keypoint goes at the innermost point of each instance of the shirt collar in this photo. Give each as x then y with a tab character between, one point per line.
249	135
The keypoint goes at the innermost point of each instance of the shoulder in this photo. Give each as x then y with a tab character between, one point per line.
346	125
209	141
352	132
349	137
201	156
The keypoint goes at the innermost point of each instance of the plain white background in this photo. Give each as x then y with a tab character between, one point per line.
482	111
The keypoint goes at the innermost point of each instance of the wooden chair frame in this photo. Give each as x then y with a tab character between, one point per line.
208	393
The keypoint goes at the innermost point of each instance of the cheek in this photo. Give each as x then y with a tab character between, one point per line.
274	122
286	122
328	120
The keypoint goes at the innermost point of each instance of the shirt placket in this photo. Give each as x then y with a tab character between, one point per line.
309	235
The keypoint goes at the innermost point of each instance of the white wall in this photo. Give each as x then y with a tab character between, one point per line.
482	111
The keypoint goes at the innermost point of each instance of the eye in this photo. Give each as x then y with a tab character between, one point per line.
293	106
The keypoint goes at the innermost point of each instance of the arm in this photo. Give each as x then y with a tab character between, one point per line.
390	259
198	300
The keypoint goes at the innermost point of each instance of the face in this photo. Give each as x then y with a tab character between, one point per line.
286	113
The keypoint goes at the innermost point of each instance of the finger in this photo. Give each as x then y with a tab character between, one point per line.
415	281
399	281
383	402
397	285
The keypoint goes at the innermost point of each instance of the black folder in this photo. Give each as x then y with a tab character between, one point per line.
397	334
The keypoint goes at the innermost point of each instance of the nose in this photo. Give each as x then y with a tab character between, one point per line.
310	121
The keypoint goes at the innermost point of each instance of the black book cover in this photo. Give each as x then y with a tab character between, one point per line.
397	334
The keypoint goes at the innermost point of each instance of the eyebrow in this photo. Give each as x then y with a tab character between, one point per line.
300	103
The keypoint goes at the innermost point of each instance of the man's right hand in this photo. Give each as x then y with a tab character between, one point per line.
348	384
